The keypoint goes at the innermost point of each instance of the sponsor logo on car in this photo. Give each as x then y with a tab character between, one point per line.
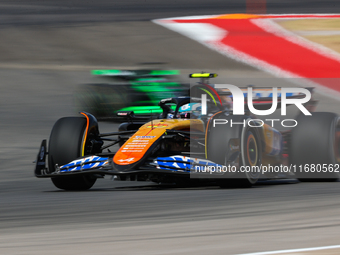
126	160
157	126
145	136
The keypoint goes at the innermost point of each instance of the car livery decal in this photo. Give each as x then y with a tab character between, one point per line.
92	162
86	131
134	149
136	146
183	163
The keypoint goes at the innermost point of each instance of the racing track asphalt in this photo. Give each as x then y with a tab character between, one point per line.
20	12
40	67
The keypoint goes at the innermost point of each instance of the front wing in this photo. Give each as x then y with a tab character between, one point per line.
102	165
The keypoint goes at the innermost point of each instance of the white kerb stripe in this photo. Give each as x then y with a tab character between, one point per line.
293	250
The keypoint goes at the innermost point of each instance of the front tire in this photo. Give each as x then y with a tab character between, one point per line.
66	144
220	141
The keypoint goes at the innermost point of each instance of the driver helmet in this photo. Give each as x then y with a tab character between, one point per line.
190	110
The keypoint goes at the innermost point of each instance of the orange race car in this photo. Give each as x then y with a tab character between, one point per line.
195	139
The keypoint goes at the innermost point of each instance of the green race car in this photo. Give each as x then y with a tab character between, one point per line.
128	90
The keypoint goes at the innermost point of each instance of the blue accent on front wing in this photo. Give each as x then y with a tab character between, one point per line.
173	170
178	165
91	162
182	163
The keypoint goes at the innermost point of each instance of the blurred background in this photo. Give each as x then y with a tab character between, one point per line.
48	49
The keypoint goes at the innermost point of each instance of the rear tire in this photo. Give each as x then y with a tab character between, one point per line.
315	140
65	145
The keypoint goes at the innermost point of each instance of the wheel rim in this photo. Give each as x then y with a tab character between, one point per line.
251	147
251	155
